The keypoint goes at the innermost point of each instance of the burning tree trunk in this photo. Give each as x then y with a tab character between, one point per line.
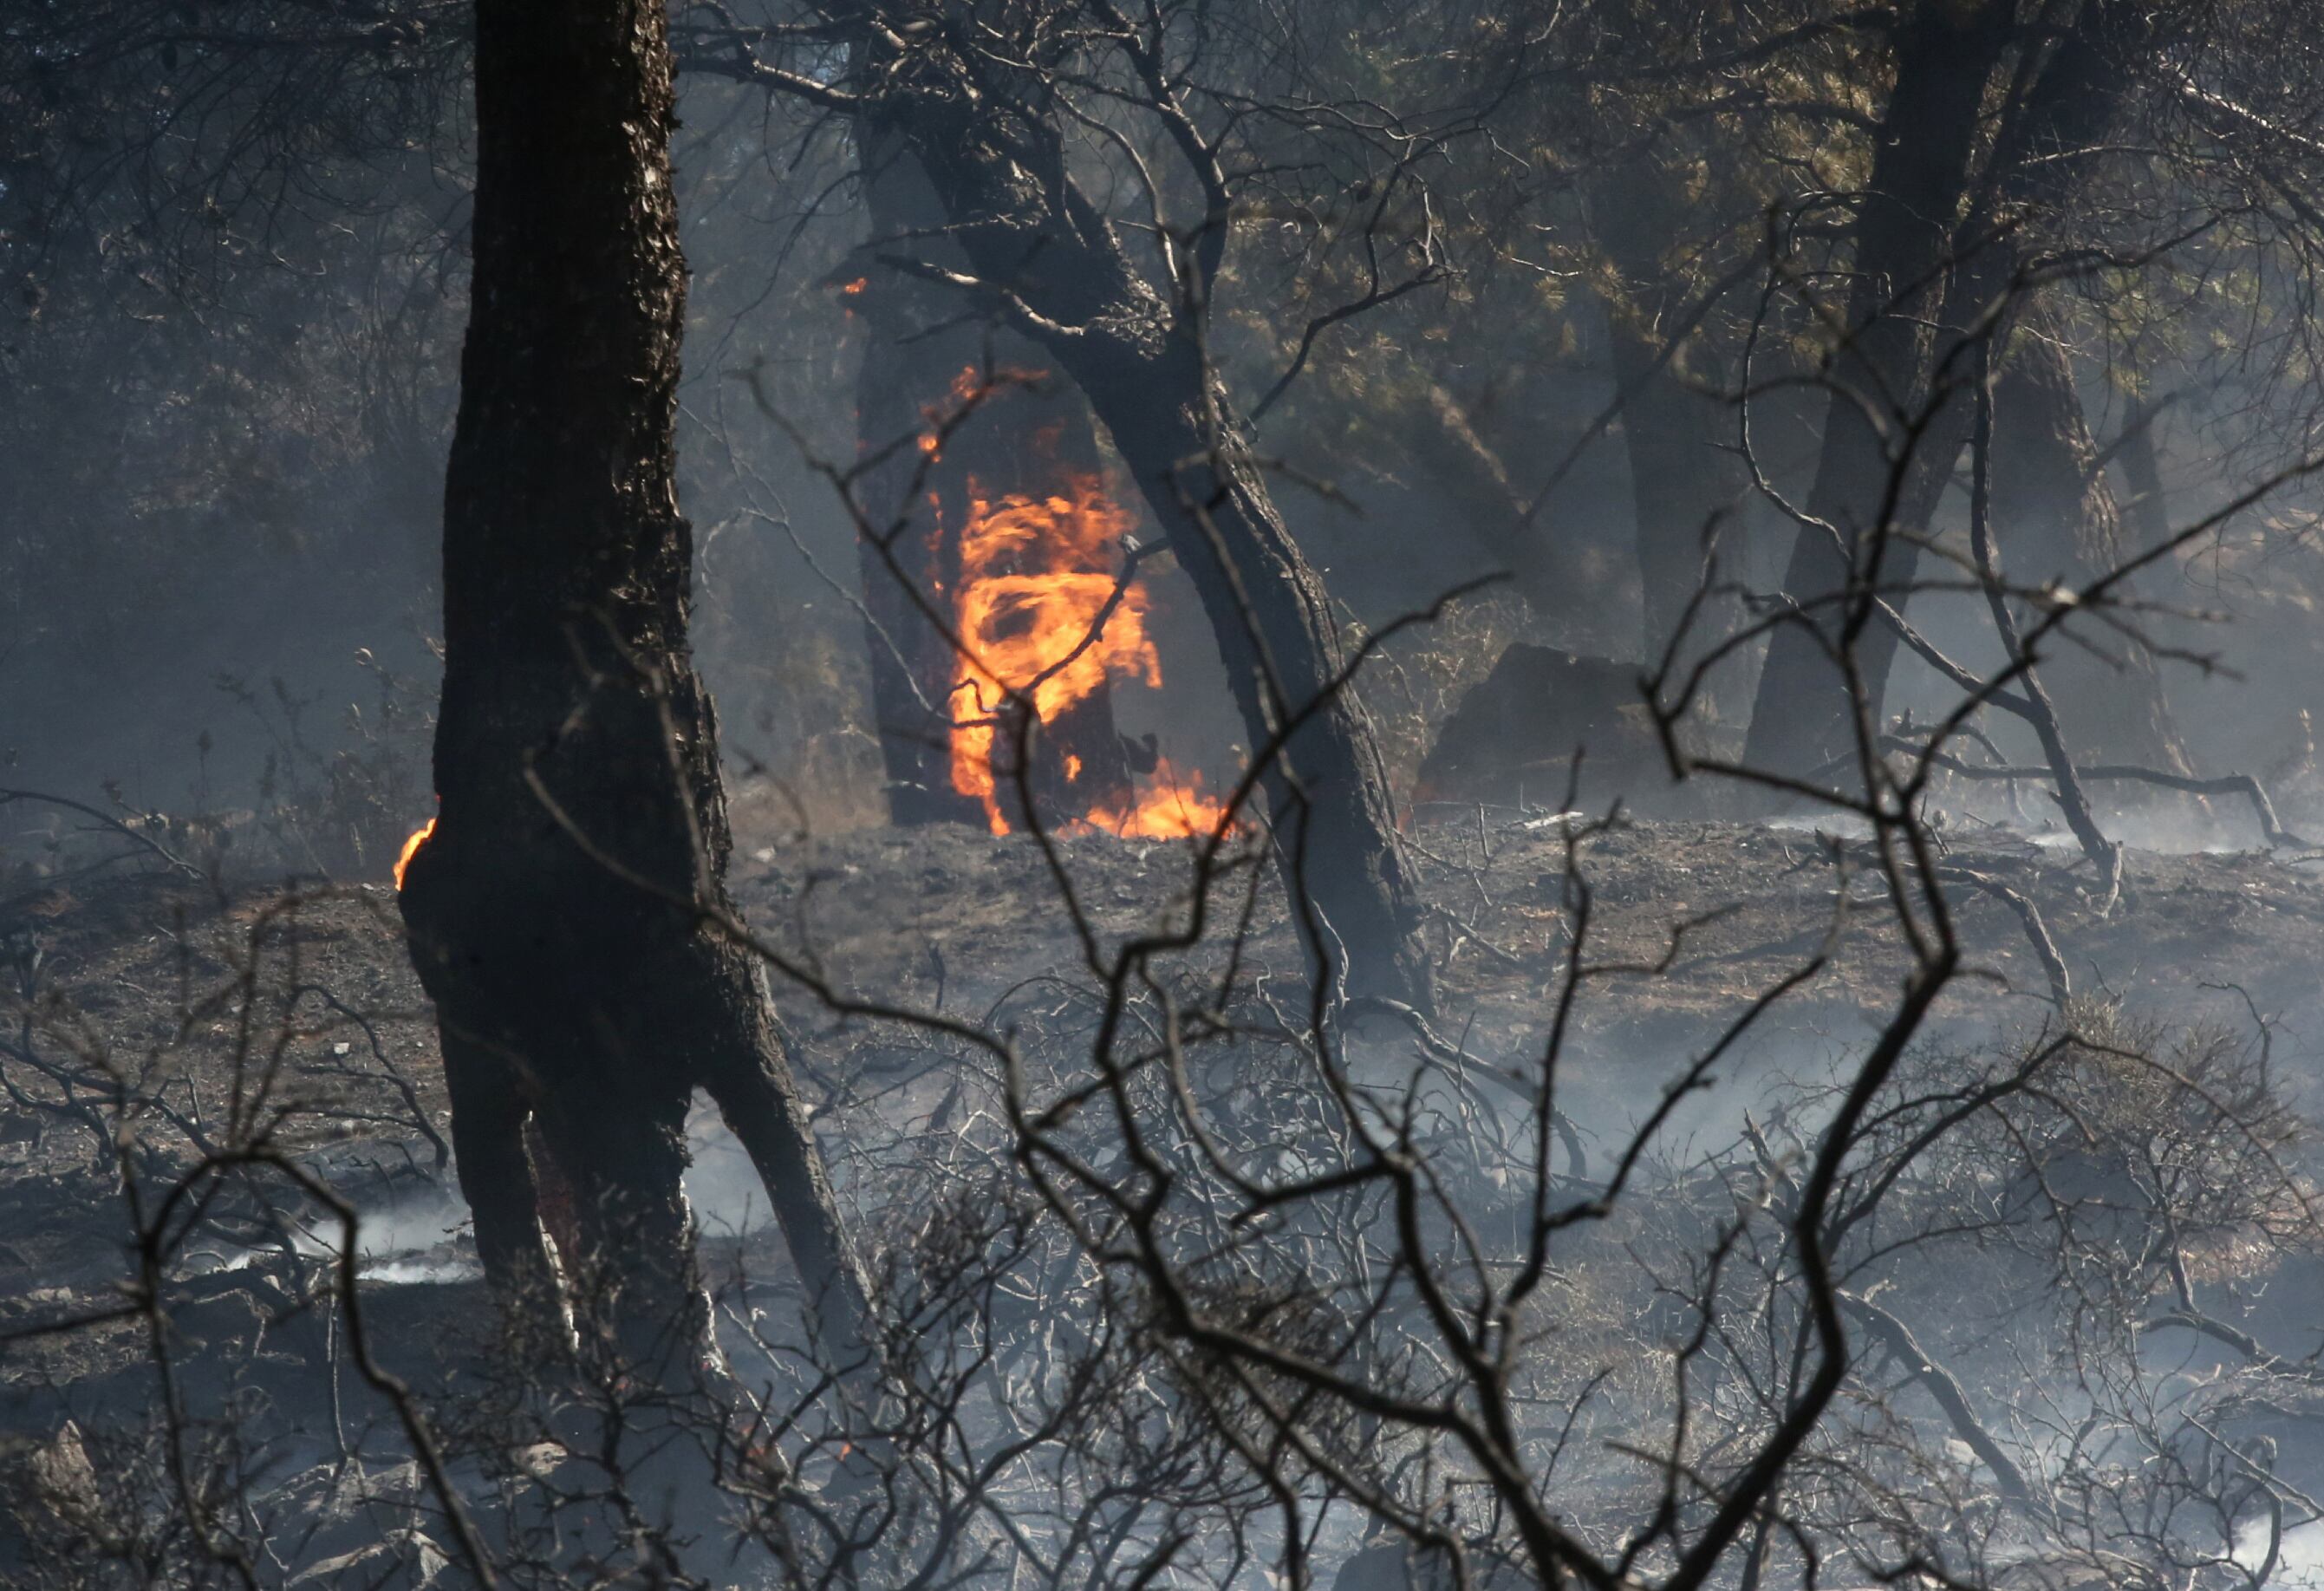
558	910
1020	445
1040	253
1945	54
911	663
1038	572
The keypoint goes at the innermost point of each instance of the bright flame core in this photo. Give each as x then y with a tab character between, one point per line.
412	848
1166	805
1035	575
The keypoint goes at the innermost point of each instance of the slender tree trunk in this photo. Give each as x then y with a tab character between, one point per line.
1437	430
1802	722
911	663
2056	514
1038	248
576	752
1681	483
1445	435
1799	721
1440	431
1328	793
1681	479
2147	512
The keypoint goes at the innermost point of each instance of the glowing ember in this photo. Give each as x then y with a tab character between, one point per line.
1035	575
968	388
412	848
855	288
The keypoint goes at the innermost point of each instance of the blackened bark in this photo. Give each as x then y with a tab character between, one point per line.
1674	421
2146	511
1442	438
569	988
1801	721
911	663
1444	433
1040	251
2056	514
1681	483
1328	793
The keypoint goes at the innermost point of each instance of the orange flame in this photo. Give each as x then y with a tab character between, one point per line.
1168	805
968	388
855	288
412	848
1035	575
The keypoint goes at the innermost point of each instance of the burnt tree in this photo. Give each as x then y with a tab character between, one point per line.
1929	287
1141	361
1022	441
1921	163
904	551
2054	505
1682	481
1044	257
561	915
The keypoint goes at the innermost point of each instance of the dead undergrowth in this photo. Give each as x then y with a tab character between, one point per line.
151	985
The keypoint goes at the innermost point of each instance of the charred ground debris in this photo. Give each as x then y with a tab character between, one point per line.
1506	796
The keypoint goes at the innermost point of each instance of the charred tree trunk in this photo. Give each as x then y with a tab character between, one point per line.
2147	512
1441	432
1802	720
558	914
1021	443
1800	724
1033	446
1445	435
1328	793
1680	482
911	663
1073	764
1672	421
1042	255
2055	511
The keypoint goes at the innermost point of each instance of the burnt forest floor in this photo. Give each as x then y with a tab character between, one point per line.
300	1006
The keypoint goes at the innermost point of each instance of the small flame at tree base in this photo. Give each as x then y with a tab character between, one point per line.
1167	805
412	848
1046	618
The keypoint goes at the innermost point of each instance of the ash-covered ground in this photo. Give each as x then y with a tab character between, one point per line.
137	983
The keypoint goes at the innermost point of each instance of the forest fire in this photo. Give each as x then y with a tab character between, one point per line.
1862	1123
412	848
1044	609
